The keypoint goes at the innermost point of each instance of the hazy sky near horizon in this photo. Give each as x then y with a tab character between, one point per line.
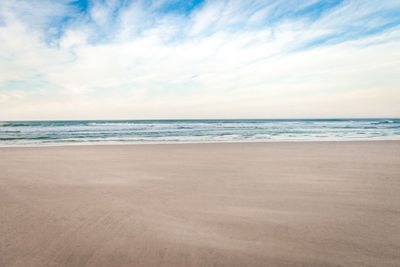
199	59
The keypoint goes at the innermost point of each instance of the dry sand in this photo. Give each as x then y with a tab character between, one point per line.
255	204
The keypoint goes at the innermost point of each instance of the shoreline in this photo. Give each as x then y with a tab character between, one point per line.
106	144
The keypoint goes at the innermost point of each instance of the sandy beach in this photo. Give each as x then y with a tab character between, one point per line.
244	204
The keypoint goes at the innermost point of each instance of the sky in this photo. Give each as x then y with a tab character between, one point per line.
110	59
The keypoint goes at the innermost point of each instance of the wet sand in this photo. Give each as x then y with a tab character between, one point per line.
248	204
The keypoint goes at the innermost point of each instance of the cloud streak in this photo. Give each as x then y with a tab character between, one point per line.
199	59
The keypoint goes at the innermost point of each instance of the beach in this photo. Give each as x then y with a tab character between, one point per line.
223	204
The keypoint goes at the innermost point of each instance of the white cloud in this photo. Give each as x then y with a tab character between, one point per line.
209	64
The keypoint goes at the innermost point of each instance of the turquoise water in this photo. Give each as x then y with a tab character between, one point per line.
194	131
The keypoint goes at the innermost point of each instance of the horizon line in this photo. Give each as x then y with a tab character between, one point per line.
211	119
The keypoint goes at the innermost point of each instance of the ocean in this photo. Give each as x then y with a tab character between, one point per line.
28	133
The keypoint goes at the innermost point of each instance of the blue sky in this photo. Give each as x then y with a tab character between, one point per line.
114	59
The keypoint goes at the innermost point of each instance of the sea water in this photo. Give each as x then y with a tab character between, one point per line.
16	133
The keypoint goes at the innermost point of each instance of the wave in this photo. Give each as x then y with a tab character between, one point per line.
146	131
13	124
384	122
1	132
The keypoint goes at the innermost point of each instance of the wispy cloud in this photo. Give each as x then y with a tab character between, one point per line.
194	59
